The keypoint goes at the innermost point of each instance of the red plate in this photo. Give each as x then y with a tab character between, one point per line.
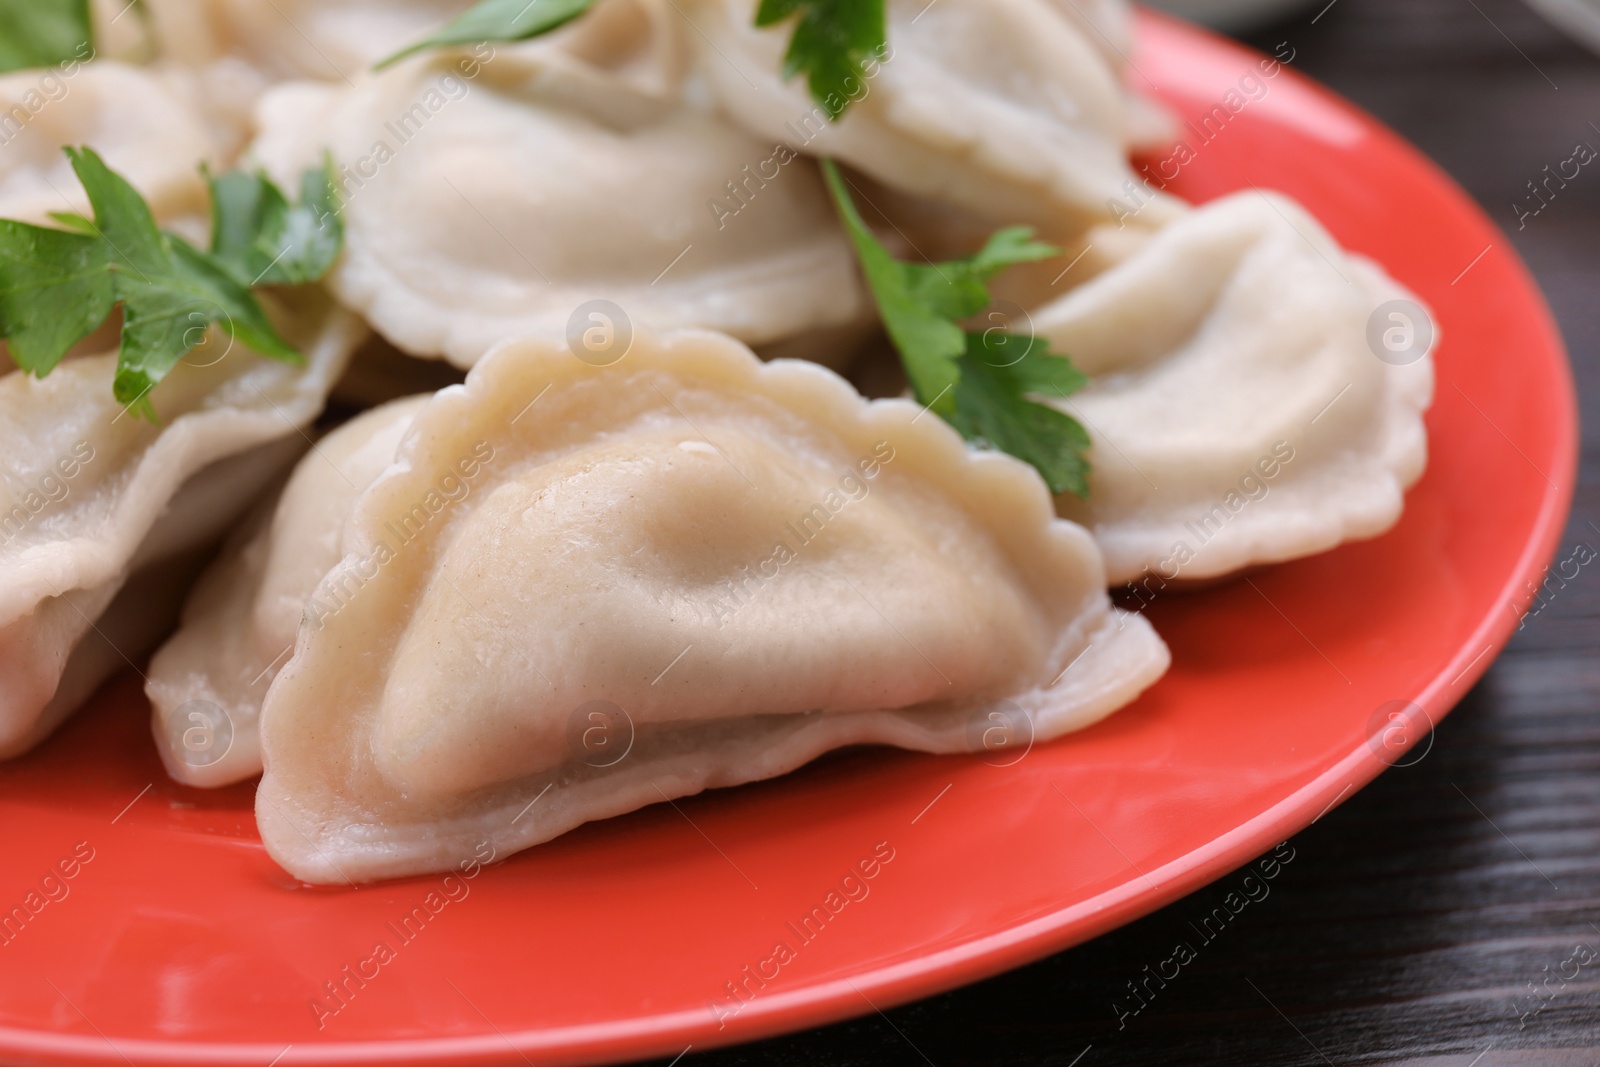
181	942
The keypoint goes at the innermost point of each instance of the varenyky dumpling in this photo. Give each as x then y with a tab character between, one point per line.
493	198
1108	26
581	590
146	123
207	682
1240	409
327	40
1006	108
90	494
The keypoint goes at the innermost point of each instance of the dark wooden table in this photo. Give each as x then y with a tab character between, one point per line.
1412	927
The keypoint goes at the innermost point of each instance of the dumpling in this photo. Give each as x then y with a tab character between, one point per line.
329	40
145	123
1254	397
504	203
1108	26
206	684
1007	108
581	590
143	609
90	495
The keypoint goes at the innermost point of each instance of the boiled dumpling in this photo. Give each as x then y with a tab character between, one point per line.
329	40
147	124
121	31
637	43
583	589
498	205
207	683
1240	408
1108	26
1007	108
90	494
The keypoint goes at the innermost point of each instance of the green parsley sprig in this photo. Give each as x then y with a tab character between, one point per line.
59	286
263	239
42	33
497	20
833	43
979	382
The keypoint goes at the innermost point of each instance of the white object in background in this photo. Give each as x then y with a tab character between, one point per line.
1580	18
1232	15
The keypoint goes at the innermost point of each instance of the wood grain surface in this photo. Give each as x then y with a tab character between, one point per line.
1441	916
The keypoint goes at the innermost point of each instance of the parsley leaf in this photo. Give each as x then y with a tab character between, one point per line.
928	342
978	382
42	33
169	290
960	289
76	223
55	290
166	315
58	286
992	406
262	240
497	20
832	42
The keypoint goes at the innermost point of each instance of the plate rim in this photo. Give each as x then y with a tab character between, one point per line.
982	957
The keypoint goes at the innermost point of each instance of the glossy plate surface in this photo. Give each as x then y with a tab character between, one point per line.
179	941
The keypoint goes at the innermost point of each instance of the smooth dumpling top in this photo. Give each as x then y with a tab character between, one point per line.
748	562
1003	107
1240	411
491	199
146	123
239	624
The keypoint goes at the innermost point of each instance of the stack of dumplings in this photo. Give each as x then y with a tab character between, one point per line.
689	554
96	496
488	199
